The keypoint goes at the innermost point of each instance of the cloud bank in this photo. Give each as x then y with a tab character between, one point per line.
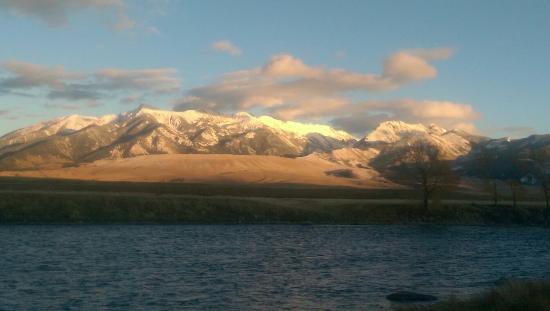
287	82
284	86
288	88
56	82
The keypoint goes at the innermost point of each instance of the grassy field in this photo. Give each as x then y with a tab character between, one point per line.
511	296
63	201
239	190
211	189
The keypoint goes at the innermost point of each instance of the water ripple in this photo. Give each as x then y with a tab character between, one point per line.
256	267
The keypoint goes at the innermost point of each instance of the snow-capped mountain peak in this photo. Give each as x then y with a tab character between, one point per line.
61	125
399	135
193	116
75	139
392	131
304	129
143	131
74	123
166	116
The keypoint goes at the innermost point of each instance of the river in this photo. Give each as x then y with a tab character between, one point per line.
148	267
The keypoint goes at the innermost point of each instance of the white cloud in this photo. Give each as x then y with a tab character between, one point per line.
226	46
311	108
364	116
56	12
27	75
428	109
59	83
160	80
405	67
286	65
414	65
287	87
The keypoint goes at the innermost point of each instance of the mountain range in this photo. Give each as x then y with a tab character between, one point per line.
68	146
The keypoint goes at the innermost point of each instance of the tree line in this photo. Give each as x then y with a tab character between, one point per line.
427	171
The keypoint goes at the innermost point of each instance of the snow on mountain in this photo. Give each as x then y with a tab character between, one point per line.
144	131
304	129
77	122
62	125
74	140
393	131
175	117
242	118
393	138
68	123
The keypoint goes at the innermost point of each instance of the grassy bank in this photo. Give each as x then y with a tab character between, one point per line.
511	296
101	207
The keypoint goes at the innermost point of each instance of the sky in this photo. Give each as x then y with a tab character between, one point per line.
480	66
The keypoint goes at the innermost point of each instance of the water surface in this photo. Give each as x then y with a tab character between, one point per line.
147	267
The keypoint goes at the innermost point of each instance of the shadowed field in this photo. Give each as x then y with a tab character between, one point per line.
54	201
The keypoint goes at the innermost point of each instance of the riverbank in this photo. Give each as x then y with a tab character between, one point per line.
510	296
32	207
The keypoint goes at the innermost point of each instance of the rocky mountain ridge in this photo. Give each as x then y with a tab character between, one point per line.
74	140
144	131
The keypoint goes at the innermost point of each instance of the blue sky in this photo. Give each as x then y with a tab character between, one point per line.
478	65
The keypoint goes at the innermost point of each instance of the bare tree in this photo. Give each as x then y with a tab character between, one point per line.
518	167
429	172
486	164
515	189
541	162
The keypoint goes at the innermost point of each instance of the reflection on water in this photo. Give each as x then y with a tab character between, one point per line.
256	267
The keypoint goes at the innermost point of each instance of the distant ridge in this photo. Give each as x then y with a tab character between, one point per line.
145	132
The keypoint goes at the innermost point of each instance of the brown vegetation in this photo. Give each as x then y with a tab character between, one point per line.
511	296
